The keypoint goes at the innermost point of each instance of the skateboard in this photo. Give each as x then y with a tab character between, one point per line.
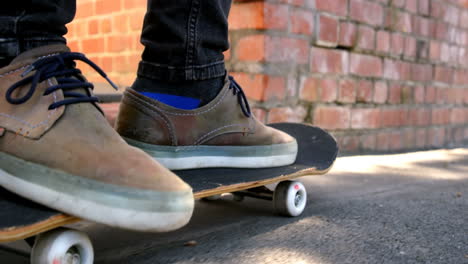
43	228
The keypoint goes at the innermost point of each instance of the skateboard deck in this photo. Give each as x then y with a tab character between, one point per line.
22	219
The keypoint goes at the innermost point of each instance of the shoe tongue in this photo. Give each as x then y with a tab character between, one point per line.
41	51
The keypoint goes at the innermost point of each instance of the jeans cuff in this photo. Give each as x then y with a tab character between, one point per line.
190	73
12	47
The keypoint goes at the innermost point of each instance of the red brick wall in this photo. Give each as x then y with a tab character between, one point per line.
382	75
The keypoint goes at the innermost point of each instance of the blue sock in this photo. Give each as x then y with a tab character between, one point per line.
181	102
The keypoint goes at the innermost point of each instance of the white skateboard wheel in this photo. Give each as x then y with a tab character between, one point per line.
64	246
290	198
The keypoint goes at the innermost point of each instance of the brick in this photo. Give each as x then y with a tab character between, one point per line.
390	117
364	91
436	137
366	38
421	72
368	141
397	45
441	95
383	41
328	28
328	61
332	117
287	114
441	31
394	95
93	27
366	12
348	144
419	117
134	4
339	8
365	65
276	16
458	116
434	50
443	74
383	141
438	9
105	25
423	7
309	90
251	48
347	91
136	19
463	19
348	34
119	43
419	94
420	138
412	6
302	22
402	22
85	10
254	85
275	88
247	15
380	92
440	116
391	69
410	47
421	26
92	45
409	137
365	118
107	7
284	49
407	94
395	140
398	3
294	2
451	15
328	90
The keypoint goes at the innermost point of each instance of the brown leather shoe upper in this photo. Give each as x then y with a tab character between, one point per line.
74	138
221	122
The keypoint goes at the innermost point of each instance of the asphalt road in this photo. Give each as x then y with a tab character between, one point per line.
407	208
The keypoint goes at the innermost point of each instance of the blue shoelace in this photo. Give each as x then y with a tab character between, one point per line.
243	102
62	67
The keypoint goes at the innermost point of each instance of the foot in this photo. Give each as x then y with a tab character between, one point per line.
57	149
222	133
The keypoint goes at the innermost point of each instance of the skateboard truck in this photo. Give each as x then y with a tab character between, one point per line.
289	197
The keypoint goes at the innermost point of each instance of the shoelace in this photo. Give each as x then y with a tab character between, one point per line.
62	67
243	102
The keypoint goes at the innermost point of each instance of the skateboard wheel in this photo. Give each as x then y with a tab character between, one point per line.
64	246
290	198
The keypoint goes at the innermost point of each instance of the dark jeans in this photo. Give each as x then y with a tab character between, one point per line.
183	39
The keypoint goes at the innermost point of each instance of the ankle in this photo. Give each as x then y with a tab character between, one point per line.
198	93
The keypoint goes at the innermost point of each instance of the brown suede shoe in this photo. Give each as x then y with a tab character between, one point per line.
56	148
222	133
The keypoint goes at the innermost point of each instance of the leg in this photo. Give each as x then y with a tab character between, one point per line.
183	57
24	26
184	43
57	149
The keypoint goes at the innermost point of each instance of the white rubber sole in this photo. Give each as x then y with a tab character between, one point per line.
100	213
206	156
220	161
